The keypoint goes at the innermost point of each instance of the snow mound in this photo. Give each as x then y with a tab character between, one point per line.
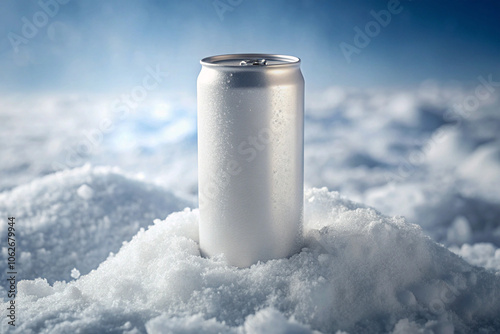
359	271
421	153
74	219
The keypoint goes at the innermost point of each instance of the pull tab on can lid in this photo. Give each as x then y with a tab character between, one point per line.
261	62
256	60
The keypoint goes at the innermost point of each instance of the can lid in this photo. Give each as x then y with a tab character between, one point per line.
250	59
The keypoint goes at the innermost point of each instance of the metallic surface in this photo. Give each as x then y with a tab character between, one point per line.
250	157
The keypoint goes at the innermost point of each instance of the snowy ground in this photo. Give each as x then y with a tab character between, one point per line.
430	154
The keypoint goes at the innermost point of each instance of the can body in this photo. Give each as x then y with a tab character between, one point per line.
250	157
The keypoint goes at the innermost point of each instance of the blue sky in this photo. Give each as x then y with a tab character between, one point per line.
104	46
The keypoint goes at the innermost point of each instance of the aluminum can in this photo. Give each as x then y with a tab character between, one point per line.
250	157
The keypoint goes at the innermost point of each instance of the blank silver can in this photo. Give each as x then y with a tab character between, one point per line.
250	157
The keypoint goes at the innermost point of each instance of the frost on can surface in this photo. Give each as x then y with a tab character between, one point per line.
250	157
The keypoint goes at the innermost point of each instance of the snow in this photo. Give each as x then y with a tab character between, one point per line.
359	270
75	273
481	254
85	192
75	218
92	262
459	232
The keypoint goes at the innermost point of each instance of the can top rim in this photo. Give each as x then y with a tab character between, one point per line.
263	60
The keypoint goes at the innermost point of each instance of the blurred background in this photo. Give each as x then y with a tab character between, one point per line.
402	108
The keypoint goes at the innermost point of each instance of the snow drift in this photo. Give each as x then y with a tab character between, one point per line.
359	271
75	218
404	152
